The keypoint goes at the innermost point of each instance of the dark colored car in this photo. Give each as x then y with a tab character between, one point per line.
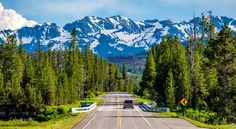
128	104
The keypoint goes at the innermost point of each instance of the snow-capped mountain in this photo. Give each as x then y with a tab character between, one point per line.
116	35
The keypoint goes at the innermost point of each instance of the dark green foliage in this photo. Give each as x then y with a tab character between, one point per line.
182	75
202	116
170	90
204	75
30	82
2	92
200	92
51	114
13	72
149	75
221	53
74	69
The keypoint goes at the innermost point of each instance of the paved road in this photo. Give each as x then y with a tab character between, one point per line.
111	115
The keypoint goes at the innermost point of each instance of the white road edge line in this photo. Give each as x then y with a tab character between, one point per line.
143	117
94	115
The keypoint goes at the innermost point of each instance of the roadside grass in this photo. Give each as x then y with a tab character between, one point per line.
141	99
65	122
62	123
197	123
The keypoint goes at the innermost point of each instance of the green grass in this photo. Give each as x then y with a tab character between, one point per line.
77	103
140	99
167	114
65	122
197	123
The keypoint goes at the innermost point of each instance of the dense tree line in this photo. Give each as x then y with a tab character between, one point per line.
204	72
30	81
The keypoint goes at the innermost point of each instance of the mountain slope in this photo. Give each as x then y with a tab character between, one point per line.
116	35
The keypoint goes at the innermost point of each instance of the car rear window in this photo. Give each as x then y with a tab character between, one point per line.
128	101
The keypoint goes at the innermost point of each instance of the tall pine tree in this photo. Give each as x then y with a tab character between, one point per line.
170	90
149	74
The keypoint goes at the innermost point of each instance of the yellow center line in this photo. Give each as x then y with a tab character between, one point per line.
118	112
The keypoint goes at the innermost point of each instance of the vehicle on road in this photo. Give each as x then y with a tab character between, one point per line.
128	104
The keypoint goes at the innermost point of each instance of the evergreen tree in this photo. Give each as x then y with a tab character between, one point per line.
112	77
74	69
170	90
13	73
211	26
28	83
221	52
163	64
48	83
60	92
2	92
124	76
66	90
89	62
22	52
149	74
200	91
181	74
203	28
118	80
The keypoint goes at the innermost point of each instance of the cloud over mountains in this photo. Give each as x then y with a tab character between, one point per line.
10	19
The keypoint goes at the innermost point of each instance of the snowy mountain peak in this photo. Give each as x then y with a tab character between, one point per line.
116	35
119	18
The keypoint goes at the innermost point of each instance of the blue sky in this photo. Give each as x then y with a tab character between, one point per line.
64	11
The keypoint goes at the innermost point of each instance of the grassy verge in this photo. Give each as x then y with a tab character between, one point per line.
62	123
65	122
140	99
197	123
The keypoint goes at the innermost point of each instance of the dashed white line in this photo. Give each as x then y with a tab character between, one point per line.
143	117
94	116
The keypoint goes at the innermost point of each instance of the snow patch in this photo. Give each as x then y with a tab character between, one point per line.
184	29
120	48
106	32
158	25
65	36
140	23
127	38
164	32
27	40
114	22
59	46
94	44
232	27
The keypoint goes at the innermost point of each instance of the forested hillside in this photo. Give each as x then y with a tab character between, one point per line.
204	73
30	82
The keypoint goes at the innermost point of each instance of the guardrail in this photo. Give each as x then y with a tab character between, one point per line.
83	109
150	108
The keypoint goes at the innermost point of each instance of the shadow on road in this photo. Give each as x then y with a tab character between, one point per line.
138	117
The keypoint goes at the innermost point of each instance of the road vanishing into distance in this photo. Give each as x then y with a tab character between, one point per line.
111	115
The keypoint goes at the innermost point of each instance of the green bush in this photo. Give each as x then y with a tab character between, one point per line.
61	110
201	115
91	94
146	94
98	93
50	113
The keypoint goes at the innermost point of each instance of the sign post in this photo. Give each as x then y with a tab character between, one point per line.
184	103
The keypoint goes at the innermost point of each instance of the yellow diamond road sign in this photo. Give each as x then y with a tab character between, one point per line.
184	101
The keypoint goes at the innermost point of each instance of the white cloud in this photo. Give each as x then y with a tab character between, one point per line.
10	19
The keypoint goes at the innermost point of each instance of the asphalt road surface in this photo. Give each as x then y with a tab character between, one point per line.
111	115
